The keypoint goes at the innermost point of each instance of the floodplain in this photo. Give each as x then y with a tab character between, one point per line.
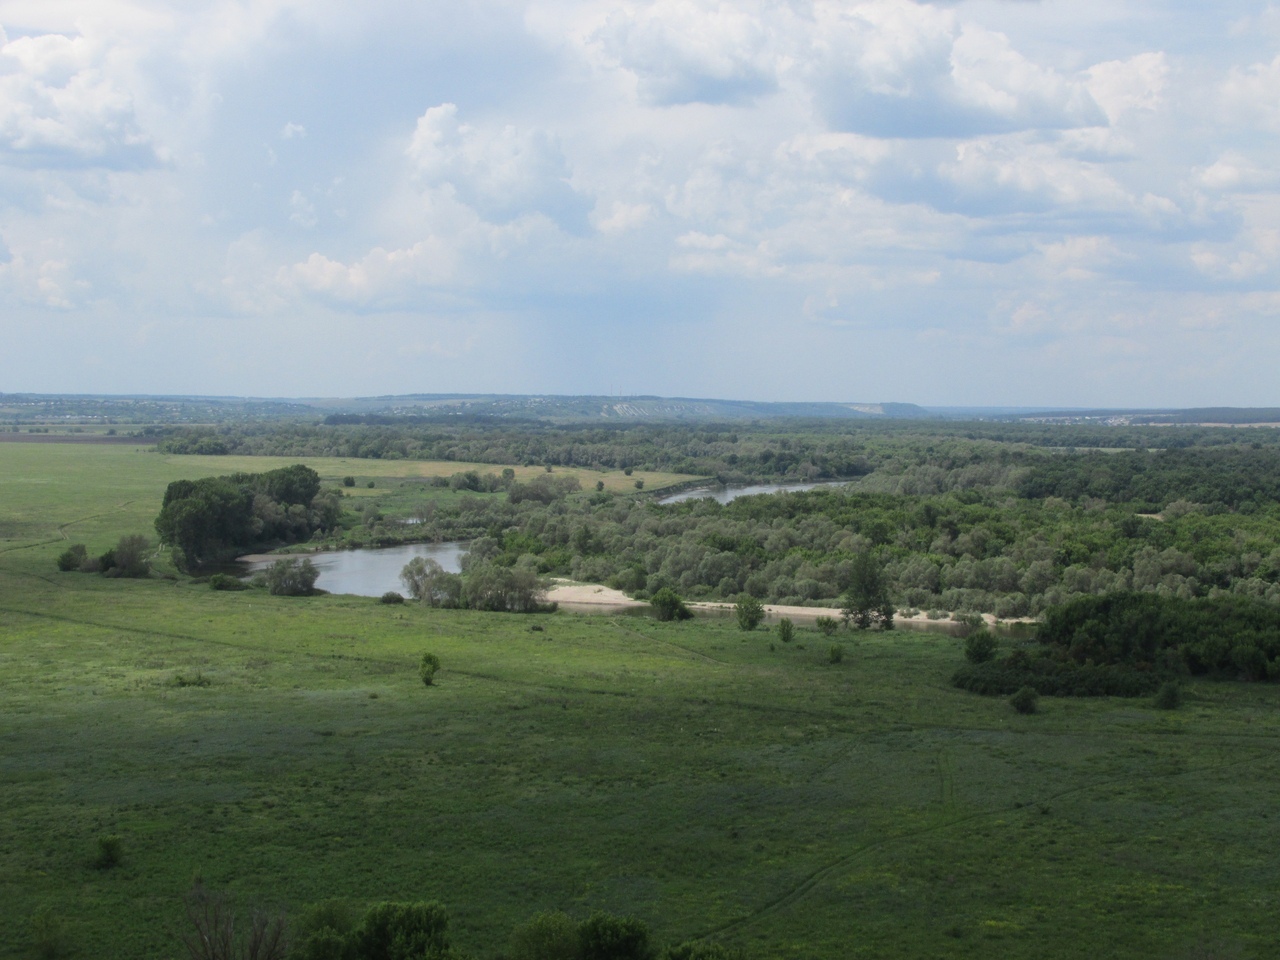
712	782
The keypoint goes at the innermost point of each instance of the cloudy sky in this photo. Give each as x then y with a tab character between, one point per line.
997	202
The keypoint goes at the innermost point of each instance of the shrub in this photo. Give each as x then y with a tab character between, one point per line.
979	646
323	932
827	626
547	936
1169	696
640	484
836	653
627	471
72	558
214	937
292	578
47	934
402	931
1051	677
599	485
749	612
427	668
701	950
109	853
348	481
1025	700
667	605
369	484
128	557
391	597
605	937
786	630
224	581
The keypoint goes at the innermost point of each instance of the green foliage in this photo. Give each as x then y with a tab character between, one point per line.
667	605
1053	677
786	630
391	596
599	485
749	612
1169	696
428	583
72	558
1224	635
640	484
547	488
605	937
292	578
402	931
547	936
128	558
370	484
487	586
827	626
835	653
1025	700
225	581
702	950
867	598
323	931
348	481
110	852
427	668
48	934
979	646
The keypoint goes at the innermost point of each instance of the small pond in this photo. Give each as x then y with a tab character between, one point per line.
374	571
734	490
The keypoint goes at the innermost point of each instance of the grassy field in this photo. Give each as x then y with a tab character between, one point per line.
704	779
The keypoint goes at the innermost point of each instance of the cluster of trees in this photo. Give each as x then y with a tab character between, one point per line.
332	930
128	558
978	550
482	586
206	521
1128	644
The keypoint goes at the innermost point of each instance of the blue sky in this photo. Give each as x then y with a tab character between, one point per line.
1006	202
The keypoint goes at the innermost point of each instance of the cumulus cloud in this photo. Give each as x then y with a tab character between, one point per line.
499	170
901	69
687	51
61	104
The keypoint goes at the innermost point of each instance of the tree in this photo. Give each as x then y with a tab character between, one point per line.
129	557
547	936
292	578
606	937
749	611
867	598
73	557
786	630
667	605
427	582
402	931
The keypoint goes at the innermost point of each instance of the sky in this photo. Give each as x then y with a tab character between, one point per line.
999	202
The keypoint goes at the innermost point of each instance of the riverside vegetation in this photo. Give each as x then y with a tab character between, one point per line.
774	799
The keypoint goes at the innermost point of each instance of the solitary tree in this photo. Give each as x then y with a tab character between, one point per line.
749	612
867	599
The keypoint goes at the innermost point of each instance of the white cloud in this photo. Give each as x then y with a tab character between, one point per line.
62	103
499	170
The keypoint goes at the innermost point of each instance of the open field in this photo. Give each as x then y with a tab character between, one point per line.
709	781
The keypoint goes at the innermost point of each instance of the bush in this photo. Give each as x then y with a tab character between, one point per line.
827	626
348	481
979	646
547	936
323	932
292	578
1169	696
72	558
109	853
391	597
786	630
836	653
605	937
427	668
640	484
749	612
224	581
47	934
402	931
701	950
667	605
369	484
599	485
1025	700
1052	677
128	557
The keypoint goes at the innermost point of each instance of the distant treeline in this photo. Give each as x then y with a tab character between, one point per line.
796	449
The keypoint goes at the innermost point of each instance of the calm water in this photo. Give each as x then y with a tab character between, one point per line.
735	490
372	572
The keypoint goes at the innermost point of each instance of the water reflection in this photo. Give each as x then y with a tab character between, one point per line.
372	572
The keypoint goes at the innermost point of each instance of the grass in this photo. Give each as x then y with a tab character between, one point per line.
686	773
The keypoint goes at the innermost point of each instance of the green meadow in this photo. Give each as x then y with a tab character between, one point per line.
711	782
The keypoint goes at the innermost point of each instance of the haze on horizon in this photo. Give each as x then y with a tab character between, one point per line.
964	203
